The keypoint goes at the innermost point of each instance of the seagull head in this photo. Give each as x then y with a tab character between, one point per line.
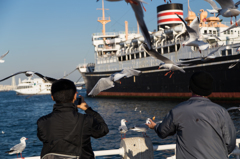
123	121
161	65
23	139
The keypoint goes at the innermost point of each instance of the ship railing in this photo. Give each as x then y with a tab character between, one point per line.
121	151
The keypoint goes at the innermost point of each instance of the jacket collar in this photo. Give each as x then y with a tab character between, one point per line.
199	98
63	107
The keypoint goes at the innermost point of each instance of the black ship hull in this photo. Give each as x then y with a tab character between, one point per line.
153	82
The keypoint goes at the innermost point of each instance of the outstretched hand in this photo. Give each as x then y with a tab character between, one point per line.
151	125
83	104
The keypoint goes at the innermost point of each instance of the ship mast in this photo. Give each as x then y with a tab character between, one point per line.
104	20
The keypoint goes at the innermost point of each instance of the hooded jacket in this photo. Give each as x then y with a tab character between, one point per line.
65	131
204	129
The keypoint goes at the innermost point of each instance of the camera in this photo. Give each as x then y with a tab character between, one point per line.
78	101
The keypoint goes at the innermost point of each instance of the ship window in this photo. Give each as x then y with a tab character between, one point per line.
228	32
165	50
223	52
147	55
142	55
210	31
172	48
160	50
132	56
124	58
229	51
205	31
231	31
119	58
214	32
137	55
178	47
224	32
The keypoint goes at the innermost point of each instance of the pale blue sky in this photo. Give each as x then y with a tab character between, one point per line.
53	36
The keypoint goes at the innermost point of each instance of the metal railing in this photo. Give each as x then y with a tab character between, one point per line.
121	152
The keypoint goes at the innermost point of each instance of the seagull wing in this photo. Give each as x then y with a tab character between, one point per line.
226	3
192	33
236	4
233	65
48	79
117	76
175	67
157	55
233	26
4	55
12	75
195	25
216	50
137	8
213	4
202	45
131	72
102	84
19	147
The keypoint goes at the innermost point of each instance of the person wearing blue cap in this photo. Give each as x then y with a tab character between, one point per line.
204	129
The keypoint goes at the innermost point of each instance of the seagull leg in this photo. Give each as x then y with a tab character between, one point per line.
17	155
171	75
231	20
167	73
165	1
21	156
200	51
236	21
170	1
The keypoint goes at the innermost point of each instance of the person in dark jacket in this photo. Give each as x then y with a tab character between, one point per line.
64	130
204	129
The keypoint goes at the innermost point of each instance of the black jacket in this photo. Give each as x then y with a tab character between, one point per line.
66	131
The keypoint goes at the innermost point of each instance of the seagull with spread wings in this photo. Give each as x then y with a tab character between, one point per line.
229	8
193	31
168	64
1	58
108	82
29	74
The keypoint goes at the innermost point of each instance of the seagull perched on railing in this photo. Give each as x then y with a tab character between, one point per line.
30	74
229	9
193	31
18	148
108	82
168	64
1	58
123	128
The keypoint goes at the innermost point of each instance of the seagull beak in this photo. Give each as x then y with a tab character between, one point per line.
26	138
183	45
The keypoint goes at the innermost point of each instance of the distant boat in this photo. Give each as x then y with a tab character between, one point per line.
80	85
33	86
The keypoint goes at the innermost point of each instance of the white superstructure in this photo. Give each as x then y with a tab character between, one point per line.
33	86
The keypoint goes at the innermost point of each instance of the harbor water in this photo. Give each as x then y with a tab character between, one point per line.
19	115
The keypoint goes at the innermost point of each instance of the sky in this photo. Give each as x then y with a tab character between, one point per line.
53	37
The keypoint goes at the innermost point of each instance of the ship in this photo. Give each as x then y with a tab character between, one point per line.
35	86
120	50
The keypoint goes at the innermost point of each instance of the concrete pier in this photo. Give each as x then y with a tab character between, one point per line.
137	148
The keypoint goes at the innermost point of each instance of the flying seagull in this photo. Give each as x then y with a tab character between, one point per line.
1	58
137	8
123	128
108	82
168	64
193	31
141	128
31	73
18	148
229	9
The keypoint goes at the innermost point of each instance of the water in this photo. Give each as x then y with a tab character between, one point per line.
19	116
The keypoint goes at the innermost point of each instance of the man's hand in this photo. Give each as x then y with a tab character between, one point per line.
83	104
151	125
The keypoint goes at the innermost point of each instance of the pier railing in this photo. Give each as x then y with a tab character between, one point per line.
125	149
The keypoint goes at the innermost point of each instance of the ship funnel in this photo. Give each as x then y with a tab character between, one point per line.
167	17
